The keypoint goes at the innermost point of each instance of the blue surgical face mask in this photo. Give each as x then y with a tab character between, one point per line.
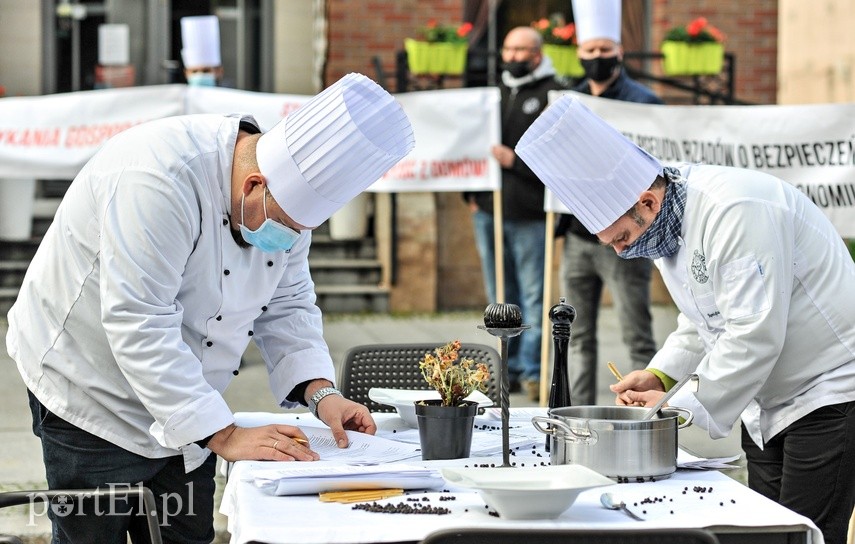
202	79
270	236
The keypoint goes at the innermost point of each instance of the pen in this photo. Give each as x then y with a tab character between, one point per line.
614	370
302	441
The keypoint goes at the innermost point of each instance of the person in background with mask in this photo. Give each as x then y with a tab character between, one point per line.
200	52
180	241
586	266
527	77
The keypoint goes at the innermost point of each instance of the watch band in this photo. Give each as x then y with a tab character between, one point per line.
319	395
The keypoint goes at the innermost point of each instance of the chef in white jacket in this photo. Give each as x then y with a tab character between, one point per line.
200	50
766	292
180	241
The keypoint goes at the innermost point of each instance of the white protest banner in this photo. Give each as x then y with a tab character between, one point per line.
810	146
268	109
454	130
53	136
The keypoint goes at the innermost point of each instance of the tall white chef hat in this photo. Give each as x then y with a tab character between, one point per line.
592	168
113	44
597	19
200	41
332	148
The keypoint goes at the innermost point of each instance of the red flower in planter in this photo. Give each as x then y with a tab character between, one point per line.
556	31
437	33
697	31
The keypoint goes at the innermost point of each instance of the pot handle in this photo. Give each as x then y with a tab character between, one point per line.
588	438
686	414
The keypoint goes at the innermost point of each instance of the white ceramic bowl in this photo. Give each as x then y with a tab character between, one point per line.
528	492
403	400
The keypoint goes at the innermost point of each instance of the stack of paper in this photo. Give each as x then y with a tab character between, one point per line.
308	478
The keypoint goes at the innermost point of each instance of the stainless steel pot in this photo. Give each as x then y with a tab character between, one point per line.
614	440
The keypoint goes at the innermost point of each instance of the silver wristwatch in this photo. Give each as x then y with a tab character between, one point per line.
320	394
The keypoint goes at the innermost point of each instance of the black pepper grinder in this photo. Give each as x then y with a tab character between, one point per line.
562	316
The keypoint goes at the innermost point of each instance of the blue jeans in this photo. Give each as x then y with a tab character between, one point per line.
76	459
586	268
524	243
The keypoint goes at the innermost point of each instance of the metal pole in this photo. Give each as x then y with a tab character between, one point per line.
75	54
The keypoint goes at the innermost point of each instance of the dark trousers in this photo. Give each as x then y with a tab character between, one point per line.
76	459
810	468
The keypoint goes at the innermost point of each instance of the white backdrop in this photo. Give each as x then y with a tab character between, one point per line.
53	136
810	146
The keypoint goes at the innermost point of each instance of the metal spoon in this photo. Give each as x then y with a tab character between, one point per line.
652	412
611	503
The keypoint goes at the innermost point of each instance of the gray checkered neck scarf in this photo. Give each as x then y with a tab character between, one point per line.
661	239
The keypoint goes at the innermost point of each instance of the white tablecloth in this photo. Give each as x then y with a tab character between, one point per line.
256	516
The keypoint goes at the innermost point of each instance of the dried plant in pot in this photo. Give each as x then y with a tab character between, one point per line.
446	425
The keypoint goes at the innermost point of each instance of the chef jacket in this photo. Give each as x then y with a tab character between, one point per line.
136	309
766	292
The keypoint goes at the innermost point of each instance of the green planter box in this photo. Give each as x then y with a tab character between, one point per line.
435	58
692	59
564	59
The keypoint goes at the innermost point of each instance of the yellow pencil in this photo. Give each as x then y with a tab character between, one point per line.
302	441
614	370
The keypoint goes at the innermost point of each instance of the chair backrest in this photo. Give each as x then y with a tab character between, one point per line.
570	536
396	366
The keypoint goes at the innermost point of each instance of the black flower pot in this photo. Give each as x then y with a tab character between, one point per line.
445	432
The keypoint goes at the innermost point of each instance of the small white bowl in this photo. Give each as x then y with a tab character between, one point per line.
403	400
528	492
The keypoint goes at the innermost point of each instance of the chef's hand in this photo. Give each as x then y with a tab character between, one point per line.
340	413
640	398
504	154
638	388
267	443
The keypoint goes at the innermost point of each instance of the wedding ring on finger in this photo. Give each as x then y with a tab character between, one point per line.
276	444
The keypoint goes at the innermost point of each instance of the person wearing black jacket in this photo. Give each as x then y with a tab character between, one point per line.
527	77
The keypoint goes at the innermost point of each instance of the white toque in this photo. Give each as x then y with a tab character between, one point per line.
200	41
114	45
332	148
592	168
597	19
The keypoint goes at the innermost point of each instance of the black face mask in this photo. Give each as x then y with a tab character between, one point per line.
600	68
517	69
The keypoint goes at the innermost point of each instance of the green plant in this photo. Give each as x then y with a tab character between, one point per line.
697	31
437	33
555	31
452	377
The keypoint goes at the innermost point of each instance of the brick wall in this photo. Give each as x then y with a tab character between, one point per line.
751	27
432	273
361	29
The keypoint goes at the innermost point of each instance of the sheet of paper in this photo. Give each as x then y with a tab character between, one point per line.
687	460
362	449
305	478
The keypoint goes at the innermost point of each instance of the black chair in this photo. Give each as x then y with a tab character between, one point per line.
396	366
570	536
58	497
